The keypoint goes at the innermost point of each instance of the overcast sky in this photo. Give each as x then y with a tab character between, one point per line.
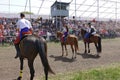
84	8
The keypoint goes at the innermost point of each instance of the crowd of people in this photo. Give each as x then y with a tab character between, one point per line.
44	27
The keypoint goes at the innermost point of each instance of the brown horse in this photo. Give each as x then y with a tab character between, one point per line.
30	46
96	39
71	40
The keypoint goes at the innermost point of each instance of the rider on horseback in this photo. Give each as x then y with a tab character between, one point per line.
90	31
24	27
65	32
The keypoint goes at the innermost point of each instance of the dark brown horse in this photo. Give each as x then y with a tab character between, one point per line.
96	39
30	46
71	40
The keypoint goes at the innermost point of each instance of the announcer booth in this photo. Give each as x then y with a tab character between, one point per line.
59	10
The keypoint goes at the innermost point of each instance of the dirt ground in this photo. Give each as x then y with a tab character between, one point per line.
9	67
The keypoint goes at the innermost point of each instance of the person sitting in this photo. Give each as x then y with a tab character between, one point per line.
90	31
65	32
24	27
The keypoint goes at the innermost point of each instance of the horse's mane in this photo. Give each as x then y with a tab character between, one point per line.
82	29
59	32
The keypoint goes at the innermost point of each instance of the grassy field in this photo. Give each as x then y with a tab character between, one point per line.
104	73
111	73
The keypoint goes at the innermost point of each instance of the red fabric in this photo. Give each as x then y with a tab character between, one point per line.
62	39
17	40
93	20
18	37
2	27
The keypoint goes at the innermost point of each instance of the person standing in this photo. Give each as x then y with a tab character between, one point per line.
24	27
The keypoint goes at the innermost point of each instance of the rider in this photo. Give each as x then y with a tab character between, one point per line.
90	31
65	32
24	27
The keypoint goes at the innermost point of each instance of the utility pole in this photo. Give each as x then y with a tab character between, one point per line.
30	8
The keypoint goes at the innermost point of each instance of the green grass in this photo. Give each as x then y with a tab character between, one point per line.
98	74
107	73
5	45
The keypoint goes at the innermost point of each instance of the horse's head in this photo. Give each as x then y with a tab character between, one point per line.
59	34
83	32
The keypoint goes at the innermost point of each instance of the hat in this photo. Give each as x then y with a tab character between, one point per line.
89	23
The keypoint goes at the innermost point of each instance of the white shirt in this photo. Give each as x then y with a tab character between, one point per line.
94	30
22	23
64	29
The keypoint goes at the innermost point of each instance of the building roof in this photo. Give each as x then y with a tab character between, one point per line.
56	2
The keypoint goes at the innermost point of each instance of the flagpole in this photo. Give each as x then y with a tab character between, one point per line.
75	9
30	8
98	12
116	15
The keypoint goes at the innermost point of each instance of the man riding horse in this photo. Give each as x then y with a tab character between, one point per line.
90	35
65	32
90	31
24	27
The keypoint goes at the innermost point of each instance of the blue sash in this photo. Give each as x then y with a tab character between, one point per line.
23	30
87	35
65	34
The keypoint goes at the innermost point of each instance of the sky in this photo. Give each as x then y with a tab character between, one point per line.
84	8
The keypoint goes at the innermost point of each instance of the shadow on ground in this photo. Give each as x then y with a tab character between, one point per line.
62	58
86	55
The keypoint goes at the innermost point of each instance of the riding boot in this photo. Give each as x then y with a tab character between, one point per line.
17	50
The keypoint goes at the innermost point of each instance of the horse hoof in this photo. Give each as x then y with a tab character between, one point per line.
85	52
74	57
97	55
88	51
19	78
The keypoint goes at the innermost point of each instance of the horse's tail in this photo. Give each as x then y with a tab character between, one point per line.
42	48
76	43
45	44
99	45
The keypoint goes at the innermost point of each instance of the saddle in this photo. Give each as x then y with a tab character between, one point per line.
25	35
91	37
96	35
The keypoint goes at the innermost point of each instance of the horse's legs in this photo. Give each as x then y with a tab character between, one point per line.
85	48
72	51
96	49
46	73
31	67
21	68
96	46
66	50
88	47
62	49
75	50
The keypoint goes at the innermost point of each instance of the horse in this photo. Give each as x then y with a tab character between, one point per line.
30	46
96	39
71	40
